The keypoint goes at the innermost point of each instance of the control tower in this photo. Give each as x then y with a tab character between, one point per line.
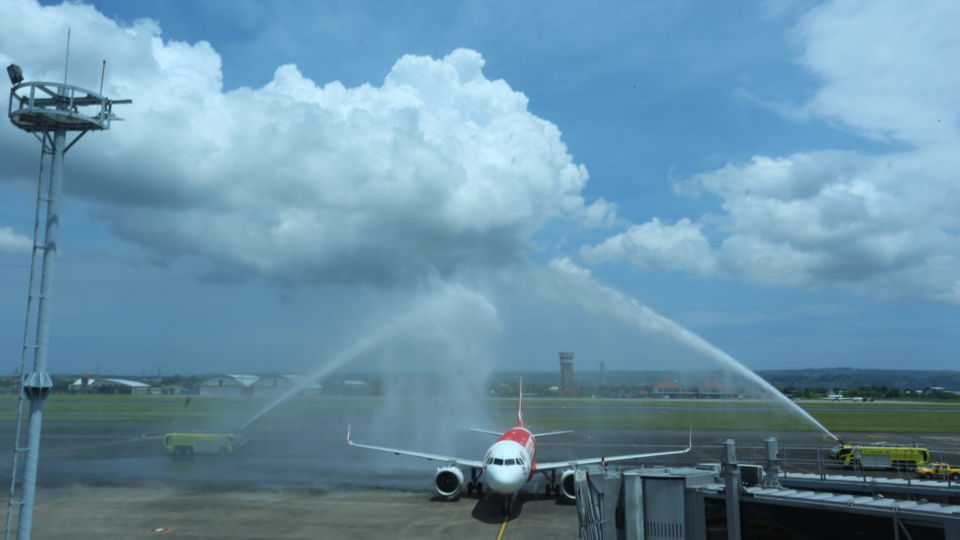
566	374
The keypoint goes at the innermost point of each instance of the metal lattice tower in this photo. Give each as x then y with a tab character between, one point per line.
48	111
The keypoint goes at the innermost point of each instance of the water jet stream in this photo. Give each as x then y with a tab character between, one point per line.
358	348
440	309
631	310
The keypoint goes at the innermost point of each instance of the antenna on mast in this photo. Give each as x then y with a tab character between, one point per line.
103	71
66	63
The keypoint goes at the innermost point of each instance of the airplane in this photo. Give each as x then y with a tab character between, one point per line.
509	463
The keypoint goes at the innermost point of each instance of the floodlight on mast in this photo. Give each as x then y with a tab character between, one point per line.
15	74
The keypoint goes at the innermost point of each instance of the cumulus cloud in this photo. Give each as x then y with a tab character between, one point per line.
12	241
435	167
565	266
654	244
887	67
885	225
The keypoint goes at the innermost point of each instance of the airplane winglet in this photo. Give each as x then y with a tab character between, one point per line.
690	441
349	434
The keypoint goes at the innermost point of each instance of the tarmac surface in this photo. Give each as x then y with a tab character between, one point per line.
84	512
297	478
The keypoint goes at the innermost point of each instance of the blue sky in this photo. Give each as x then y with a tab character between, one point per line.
775	176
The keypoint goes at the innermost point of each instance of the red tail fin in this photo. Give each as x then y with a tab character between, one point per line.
520	408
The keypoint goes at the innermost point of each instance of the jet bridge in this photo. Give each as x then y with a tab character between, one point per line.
733	500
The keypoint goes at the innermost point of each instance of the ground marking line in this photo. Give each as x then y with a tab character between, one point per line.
503	526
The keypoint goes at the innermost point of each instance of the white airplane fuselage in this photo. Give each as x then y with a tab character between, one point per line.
508	463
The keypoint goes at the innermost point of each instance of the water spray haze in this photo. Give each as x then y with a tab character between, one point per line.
437	369
598	298
443	334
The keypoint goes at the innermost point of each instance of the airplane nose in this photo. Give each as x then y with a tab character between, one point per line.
503	480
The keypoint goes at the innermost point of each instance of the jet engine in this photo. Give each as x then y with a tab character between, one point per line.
567	485
449	481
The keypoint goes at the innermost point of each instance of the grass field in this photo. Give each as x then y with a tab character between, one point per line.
805	404
727	419
553	413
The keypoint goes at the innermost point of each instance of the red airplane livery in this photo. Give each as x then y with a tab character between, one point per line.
509	463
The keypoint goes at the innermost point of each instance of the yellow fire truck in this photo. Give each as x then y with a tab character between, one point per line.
880	456
187	444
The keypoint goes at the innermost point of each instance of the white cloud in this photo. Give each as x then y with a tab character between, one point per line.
12	241
657	245
887	68
564	266
435	168
600	213
885	225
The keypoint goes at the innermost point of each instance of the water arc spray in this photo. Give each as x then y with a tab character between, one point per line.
441	305
631	310
358	348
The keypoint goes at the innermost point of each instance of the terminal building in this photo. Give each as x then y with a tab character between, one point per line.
109	385
256	385
276	385
227	385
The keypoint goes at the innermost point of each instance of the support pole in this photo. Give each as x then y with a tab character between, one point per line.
731	475
633	505
612	503
48	111
771	465
37	385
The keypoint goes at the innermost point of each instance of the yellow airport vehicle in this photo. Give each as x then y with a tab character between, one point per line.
188	444
938	469
880	456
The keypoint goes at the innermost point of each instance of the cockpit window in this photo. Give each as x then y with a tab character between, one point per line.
508	462
489	460
498	461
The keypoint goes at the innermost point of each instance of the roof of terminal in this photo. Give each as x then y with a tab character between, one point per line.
111	380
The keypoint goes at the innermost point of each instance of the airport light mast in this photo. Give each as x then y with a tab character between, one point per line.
48	111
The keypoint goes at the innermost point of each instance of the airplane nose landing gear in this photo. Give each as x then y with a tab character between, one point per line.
508	504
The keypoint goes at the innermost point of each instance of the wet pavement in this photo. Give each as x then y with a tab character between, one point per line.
297	477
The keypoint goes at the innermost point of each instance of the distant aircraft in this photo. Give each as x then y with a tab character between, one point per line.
836	396
509	463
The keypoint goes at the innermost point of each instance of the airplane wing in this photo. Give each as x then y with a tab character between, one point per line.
550	433
487	431
588	461
432	457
